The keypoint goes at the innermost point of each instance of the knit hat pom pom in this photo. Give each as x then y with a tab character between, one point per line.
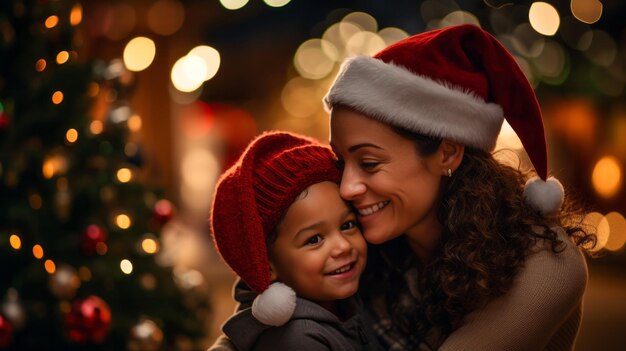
544	196
275	305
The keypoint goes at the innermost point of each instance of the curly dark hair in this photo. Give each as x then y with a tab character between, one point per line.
487	232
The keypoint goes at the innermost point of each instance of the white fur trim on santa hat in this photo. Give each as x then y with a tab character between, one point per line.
397	96
275	305
544	196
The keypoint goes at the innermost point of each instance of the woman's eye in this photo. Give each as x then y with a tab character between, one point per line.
348	225
315	239
369	165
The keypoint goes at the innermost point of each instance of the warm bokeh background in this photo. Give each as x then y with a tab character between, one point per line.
201	78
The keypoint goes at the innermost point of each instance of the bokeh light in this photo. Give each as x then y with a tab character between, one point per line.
126	266
53	165
124	175
51	21
364	43
544	18
96	127
120	113
617	226
364	21
139	54
392	35
15	241
149	244
607	176
166	17
337	37
40	65
188	73
527	41
551	63
38	251
276	3
57	97
123	221
597	224
602	49
456	18
233	4
71	135
135	123
50	266
62	57
587	11
211	58
76	15
312	61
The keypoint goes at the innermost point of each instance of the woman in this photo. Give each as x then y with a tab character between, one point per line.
466	254
471	256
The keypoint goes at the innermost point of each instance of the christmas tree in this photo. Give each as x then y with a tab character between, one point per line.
79	218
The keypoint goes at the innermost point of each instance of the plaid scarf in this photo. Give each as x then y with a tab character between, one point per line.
394	301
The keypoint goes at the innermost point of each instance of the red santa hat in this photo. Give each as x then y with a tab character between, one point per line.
457	83
250	199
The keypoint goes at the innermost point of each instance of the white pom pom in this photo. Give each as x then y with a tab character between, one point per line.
544	196
275	305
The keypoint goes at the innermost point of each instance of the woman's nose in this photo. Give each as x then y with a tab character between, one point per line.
351	185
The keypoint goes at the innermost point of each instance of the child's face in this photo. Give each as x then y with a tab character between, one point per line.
319	251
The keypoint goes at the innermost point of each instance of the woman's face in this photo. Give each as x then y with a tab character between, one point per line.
393	188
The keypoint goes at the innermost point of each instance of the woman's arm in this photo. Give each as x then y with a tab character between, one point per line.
542	308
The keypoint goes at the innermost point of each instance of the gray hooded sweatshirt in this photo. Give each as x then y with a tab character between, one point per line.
311	328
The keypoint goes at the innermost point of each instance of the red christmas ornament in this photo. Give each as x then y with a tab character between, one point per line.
4	120
163	211
6	332
92	236
88	320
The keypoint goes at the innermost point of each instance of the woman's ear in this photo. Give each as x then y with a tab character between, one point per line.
452	155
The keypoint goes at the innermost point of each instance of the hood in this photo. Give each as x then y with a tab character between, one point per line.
243	329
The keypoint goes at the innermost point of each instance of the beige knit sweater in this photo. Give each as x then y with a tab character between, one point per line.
542	311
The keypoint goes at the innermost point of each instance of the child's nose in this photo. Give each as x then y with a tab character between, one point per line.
341	245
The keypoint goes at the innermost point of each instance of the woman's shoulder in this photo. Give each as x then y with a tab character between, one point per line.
564	270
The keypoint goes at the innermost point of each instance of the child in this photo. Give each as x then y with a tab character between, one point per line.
277	217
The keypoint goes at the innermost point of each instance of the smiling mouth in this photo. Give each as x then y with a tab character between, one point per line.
343	269
373	209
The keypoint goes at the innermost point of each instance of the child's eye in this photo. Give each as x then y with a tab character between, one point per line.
348	225
340	163
314	240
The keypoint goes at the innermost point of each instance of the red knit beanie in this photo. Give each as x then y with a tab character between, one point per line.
253	195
